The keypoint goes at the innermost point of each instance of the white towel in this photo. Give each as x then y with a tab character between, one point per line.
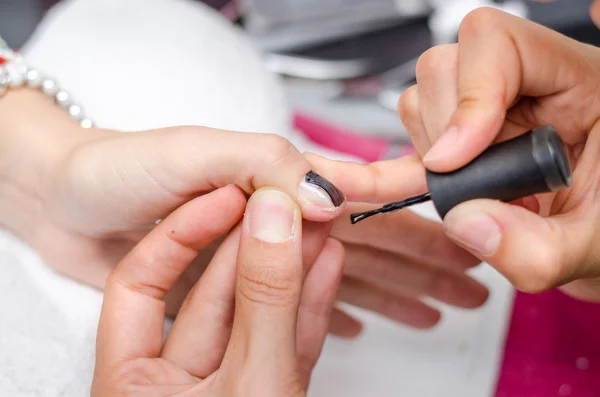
136	64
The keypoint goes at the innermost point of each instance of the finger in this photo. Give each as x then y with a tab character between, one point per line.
595	12
316	304
268	288
398	307
437	75
199	336
410	114
533	252
314	238
314	235
131	323
404	233
501	58
394	273
376	182
201	331
344	325
208	159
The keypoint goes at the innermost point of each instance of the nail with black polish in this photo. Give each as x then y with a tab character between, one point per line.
320	192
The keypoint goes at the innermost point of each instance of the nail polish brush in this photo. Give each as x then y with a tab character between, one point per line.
533	163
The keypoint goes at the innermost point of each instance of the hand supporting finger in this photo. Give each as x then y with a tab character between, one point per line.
201	331
131	323
267	299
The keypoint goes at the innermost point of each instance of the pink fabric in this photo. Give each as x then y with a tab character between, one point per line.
553	348
348	142
343	141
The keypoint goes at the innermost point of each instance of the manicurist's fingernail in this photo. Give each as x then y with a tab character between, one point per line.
272	216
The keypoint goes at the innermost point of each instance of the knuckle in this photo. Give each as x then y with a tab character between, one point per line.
268	284
277	149
125	379
424	63
408	108
480	21
435	59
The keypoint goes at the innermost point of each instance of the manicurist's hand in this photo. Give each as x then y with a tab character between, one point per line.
253	325
506	76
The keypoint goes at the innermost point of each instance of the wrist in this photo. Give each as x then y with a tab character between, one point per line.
35	135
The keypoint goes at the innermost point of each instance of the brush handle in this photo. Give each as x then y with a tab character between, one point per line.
533	163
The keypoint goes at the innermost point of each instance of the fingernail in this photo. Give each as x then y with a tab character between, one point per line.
271	216
318	191
444	145
476	231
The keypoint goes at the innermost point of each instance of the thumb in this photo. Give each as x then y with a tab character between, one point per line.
268	289
534	253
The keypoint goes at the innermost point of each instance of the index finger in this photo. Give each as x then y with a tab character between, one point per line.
376	182
503	58
133	312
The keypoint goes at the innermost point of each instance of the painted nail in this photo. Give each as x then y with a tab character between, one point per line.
318	191
476	231
444	145
271	216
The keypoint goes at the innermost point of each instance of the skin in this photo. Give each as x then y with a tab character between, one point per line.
486	93
266	344
505	76
84	198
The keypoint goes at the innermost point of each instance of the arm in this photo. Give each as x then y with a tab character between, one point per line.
34	135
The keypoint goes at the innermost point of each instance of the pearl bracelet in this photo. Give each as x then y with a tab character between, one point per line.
14	73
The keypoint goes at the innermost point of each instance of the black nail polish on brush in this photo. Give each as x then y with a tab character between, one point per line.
532	163
336	196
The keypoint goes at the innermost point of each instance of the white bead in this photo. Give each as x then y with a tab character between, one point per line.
63	99
4	81
17	72
75	112
49	87
86	123
33	78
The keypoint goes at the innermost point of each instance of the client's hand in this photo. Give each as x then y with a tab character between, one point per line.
84	198
257	331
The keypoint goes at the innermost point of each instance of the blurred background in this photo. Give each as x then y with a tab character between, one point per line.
346	62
